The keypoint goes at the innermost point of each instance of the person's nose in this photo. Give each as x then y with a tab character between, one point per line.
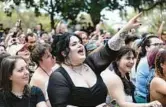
132	61
26	72
80	45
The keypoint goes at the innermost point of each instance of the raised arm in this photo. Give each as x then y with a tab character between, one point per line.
100	60
160	29
117	40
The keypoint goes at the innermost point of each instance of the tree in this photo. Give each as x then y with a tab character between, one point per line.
70	8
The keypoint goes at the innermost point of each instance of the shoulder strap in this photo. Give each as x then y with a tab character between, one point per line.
67	77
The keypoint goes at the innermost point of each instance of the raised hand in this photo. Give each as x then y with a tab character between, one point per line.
132	23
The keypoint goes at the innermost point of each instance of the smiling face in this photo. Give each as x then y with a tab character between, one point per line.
126	62
77	51
24	52
20	73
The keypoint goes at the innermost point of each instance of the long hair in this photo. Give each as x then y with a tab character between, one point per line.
6	70
128	85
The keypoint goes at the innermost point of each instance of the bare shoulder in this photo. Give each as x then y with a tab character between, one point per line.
156	81
37	80
109	77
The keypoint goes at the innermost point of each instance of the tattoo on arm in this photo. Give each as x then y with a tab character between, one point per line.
116	42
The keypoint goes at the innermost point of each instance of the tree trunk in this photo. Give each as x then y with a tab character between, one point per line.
52	15
52	20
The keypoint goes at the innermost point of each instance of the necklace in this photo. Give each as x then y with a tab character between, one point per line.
18	96
45	71
79	71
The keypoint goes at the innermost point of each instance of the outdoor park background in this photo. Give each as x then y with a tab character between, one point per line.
114	14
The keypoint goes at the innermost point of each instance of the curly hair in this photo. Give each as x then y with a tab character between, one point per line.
61	44
160	59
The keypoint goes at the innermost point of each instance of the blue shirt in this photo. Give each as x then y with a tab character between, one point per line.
142	75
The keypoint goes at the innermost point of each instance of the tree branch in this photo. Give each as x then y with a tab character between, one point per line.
46	10
154	5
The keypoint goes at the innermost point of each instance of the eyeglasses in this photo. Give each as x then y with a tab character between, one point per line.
158	44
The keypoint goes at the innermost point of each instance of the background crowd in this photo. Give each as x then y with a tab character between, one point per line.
82	68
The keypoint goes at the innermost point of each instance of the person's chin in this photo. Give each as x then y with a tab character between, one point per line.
80	60
82	57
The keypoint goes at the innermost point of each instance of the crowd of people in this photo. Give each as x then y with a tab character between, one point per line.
82	69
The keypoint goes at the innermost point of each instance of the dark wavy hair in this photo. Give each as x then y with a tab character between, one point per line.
160	59
61	44
128	85
6	70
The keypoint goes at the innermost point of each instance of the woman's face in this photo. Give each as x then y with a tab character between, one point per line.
20	74
84	38
48	60
63	28
24	53
77	51
163	36
126	62
22	38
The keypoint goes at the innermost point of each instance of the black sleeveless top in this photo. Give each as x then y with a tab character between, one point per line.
8	99
82	96
62	92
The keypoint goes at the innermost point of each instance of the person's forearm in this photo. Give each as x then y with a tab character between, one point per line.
160	30
117	40
128	104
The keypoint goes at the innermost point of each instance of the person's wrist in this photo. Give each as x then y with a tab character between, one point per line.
147	105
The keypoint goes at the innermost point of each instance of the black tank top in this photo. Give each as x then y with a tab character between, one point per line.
81	96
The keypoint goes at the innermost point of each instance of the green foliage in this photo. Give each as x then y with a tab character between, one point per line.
29	20
70	8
